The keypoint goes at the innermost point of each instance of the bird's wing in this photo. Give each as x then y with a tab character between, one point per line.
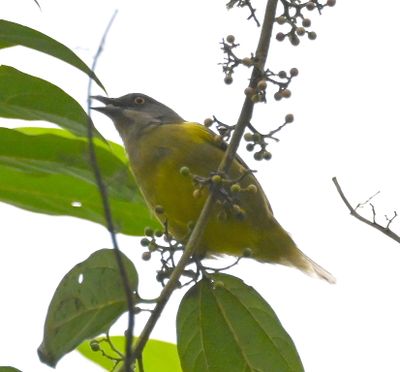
209	137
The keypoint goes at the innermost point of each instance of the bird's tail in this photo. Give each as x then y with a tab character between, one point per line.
312	268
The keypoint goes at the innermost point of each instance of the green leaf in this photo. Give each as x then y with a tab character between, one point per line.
27	97
48	171
8	369
225	325
88	300
12	34
157	355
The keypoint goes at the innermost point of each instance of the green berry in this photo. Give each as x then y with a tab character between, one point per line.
306	22
144	242
310	5
235	187
300	31
249	147
280	36
216	178
247	61
247	252
94	345
218	139
282	74
208	122
230	39
184	171
197	193
248	137
281	20
219	284
257	137
312	35
159	209
294	71
249	91
146	256
286	93
228	79
294	39
258	155
262	84
267	155
152	246
289	118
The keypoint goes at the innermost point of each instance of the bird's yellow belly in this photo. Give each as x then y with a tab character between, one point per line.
225	232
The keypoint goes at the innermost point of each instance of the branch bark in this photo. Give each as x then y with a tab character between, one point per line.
195	237
383	229
107	210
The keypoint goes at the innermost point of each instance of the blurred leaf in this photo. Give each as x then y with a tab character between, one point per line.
226	325
27	97
48	171
88	300
8	369
157	355
12	34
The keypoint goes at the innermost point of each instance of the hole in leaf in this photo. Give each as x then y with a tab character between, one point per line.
76	204
80	278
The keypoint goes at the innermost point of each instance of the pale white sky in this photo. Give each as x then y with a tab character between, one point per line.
345	103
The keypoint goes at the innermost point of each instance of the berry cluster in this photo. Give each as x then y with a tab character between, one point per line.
293	16
257	141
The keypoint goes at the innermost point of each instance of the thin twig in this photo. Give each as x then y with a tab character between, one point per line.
107	210
37	3
383	229
196	235
360	205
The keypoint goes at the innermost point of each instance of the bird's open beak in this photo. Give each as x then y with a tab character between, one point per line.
109	109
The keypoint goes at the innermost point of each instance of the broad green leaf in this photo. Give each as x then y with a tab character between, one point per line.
157	355
48	171
12	34
88	300
27	97
225	325
8	369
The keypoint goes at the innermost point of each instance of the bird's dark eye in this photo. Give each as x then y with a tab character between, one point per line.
139	100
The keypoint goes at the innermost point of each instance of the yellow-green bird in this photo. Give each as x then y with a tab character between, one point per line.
163	148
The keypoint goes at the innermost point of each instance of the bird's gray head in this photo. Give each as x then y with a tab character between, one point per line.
134	112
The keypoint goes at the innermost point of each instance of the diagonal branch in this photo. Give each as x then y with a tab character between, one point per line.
383	229
195	237
107	210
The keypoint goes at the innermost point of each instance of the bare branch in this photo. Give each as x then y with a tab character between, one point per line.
368	201
383	229
242	4
107	210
